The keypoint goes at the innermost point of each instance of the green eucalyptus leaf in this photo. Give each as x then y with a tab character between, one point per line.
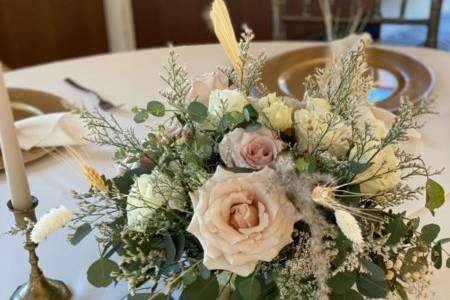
345	247
197	111
169	246
355	167
156	108
436	255
179	241
99	273
80	233
342	282
349	295
397	229
203	271
435	195
109	251
414	224
141	116
448	263
306	164
371	288
124	182
201	289
376	273
252	127
249	288
430	232
250	113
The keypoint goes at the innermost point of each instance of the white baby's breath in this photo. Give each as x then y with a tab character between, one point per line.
50	222
349	226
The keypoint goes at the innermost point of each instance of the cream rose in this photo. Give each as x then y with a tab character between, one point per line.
378	127
311	129
383	168
278	113
253	150
204	84
150	192
226	101
240	218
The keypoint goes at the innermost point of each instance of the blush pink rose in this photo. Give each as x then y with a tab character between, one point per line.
240	219
253	150
204	84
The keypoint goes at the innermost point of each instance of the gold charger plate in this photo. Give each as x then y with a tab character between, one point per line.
396	75
27	103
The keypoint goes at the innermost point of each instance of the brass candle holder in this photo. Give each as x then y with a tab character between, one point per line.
38	286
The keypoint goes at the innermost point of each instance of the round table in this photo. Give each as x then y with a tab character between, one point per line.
133	78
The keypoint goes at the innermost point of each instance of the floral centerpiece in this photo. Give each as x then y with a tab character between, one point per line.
243	194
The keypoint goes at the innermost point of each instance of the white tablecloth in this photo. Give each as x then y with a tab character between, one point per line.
133	78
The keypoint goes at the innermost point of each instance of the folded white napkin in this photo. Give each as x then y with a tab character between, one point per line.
50	130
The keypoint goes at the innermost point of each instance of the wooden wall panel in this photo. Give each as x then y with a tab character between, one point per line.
158	22
33	32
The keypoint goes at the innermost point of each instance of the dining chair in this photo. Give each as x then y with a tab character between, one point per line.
364	15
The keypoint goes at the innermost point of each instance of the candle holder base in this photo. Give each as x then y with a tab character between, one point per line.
38	286
45	289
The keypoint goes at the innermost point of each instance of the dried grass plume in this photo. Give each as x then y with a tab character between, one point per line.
223	28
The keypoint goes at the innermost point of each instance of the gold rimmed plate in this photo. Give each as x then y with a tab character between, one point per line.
27	103
396	75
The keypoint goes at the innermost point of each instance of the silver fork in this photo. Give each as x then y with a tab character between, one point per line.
103	103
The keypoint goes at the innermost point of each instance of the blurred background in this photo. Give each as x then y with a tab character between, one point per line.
51	30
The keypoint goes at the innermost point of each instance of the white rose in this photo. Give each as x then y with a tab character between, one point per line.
378	126
240	218
383	167
311	127
150	192
226	101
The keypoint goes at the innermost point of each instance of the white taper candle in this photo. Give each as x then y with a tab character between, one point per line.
12	156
